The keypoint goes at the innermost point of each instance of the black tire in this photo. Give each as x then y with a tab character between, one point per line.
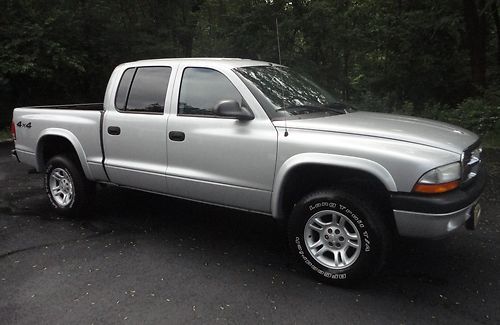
82	189
374	241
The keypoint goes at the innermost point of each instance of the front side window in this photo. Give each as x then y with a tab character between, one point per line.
144	89
202	89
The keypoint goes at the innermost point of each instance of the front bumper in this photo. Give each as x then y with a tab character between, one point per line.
435	216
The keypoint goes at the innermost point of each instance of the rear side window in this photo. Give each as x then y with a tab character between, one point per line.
144	88
202	89
121	94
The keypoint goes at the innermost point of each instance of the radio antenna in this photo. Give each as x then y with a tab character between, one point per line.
279	59
278	40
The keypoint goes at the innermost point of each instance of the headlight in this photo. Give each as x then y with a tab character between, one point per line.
439	180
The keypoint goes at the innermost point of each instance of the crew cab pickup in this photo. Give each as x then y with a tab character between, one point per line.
260	137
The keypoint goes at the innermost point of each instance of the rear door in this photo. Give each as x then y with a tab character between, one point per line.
134	130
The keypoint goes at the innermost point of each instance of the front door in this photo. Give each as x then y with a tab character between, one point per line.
214	159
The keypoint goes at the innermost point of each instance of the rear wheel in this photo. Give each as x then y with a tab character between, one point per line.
338	237
68	190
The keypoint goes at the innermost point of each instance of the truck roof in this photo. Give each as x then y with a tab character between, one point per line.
226	62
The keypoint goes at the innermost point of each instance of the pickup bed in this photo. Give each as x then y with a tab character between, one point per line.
258	136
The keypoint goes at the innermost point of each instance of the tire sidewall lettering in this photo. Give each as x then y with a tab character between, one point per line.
339	276
339	208
355	217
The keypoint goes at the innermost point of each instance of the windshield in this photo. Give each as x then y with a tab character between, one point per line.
282	91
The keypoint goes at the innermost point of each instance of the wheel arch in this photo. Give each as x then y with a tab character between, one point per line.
54	141
305	169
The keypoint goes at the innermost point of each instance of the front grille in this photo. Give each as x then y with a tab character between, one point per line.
471	162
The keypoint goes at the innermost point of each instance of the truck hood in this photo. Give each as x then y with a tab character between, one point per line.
398	127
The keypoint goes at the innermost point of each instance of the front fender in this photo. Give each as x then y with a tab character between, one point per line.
356	163
72	139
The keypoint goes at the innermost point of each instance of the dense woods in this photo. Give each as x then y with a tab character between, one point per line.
439	59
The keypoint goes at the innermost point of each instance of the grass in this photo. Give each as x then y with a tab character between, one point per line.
4	134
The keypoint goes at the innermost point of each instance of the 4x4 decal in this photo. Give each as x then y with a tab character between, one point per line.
23	125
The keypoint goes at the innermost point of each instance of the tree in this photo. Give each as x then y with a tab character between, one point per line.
476	31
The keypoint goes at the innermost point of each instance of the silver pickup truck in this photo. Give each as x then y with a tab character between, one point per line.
260	137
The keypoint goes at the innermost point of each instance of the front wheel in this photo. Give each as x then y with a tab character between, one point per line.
338	237
68	190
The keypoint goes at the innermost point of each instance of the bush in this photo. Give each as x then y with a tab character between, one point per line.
372	103
478	114
475	114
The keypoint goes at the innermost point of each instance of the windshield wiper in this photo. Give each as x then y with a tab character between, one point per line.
338	108
301	109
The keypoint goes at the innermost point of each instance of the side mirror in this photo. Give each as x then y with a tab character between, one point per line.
231	108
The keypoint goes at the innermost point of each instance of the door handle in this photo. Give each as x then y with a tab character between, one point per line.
176	136
114	130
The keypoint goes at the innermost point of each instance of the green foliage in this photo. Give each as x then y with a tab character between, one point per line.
4	134
479	114
476	114
411	57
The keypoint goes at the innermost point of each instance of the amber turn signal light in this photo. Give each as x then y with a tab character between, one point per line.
436	188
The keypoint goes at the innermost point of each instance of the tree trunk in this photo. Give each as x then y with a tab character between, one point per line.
476	32
346	75
399	5
496	19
